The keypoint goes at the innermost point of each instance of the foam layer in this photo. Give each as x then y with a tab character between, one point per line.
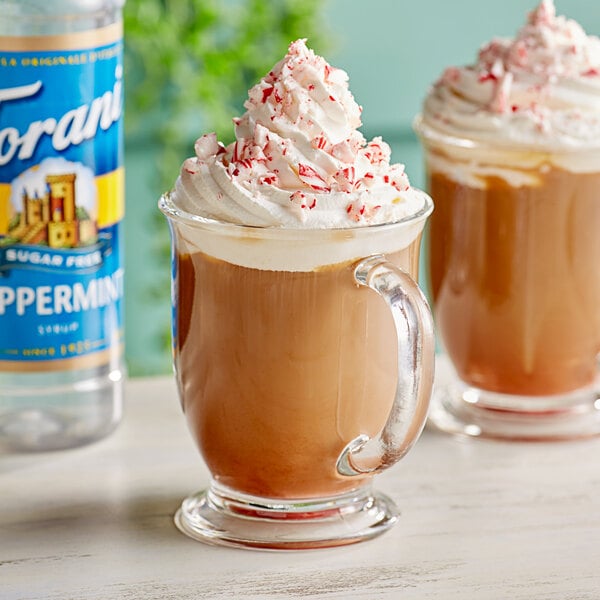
279	249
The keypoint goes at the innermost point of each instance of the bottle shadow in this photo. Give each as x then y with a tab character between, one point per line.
145	519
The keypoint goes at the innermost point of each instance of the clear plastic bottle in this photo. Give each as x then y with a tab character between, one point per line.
61	206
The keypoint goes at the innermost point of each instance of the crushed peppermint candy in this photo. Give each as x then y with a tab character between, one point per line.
548	47
539	88
310	177
299	136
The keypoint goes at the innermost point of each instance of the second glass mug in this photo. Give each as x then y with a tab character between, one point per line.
514	264
304	361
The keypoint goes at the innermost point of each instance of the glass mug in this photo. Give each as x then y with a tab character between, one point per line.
514	265
298	381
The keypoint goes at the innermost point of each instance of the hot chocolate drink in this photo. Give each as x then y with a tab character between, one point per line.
513	159
303	347
514	278
279	370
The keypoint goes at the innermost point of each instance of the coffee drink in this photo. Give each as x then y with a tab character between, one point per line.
514	279
512	145
278	370
303	348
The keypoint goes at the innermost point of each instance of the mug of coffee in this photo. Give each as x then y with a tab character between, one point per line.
512	149
303	370
515	286
303	347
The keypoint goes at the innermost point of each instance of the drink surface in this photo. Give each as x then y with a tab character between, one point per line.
61	205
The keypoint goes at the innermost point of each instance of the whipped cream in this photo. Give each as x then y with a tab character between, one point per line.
540	89
298	160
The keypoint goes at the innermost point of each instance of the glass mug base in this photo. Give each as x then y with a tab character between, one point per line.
222	516
464	410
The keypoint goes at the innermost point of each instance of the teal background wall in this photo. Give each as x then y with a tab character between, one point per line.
392	51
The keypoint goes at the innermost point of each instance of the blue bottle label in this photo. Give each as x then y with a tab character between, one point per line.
61	200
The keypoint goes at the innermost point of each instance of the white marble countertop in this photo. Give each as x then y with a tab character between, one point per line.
479	519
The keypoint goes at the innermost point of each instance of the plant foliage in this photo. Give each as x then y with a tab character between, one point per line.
190	63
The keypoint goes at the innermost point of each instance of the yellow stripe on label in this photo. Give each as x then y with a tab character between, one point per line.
111	197
111	200
5	208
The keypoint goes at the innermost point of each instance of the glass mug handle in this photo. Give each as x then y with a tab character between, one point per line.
416	363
